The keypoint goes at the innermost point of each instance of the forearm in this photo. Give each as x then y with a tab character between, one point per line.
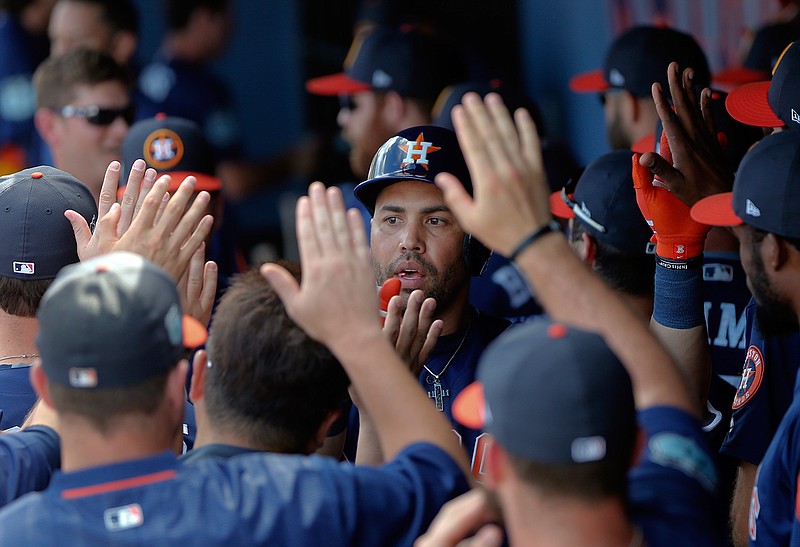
740	504
571	293
369	447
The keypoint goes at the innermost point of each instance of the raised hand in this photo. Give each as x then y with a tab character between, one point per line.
698	167
412	330
164	231
510	193
198	287
337	299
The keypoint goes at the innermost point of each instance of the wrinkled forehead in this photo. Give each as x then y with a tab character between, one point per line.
411	192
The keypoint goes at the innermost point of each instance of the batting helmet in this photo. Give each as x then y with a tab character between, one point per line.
420	153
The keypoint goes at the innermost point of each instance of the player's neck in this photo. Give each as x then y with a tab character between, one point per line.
17	337
84	447
563	523
456	316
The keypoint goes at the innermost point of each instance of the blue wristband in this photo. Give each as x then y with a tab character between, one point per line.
678	301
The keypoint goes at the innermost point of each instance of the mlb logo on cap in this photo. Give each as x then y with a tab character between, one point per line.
26	268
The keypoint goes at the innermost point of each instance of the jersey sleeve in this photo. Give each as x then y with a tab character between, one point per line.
673	485
27	460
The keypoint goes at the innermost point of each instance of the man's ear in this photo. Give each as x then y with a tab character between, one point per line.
45	120
39	382
197	388
588	251
322	432
496	464
393	109
123	47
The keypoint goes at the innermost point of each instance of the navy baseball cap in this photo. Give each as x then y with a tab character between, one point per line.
37	238
604	201
417	153
766	193
410	62
172	146
552	393
766	48
640	57
113	321
771	103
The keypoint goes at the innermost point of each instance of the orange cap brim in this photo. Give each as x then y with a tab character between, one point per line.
716	210
336	84
194	333
209	183
558	207
749	105
469	406
589	82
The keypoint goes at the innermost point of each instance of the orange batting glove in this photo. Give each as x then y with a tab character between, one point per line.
676	235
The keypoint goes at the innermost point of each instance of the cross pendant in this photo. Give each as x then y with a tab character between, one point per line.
439	394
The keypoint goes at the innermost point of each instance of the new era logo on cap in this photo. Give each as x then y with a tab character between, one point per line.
381	79
751	209
615	78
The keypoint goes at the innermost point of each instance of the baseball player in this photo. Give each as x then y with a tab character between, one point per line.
511	212
121	493
415	238
759	221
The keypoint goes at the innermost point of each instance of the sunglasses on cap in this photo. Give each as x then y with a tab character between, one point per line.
97	115
566	195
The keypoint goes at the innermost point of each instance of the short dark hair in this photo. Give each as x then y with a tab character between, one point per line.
118	15
632	274
179	12
102	406
57	77
268	380
21	297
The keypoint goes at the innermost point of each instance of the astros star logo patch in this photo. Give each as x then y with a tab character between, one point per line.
163	149
417	152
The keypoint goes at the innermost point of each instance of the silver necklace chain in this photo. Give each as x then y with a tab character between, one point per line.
21	356
460	345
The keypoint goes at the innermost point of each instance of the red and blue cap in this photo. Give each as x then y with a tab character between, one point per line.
639	57
771	103
765	194
172	146
37	238
552	393
405	60
603	200
113	321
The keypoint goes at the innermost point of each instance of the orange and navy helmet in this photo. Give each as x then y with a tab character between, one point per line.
417	153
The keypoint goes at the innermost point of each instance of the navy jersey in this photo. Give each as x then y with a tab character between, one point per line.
17	397
27	460
764	393
191	91
503	291
672	488
482	330
773	500
255	499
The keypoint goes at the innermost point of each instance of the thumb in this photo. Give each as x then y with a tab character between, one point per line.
642	178
80	229
282	281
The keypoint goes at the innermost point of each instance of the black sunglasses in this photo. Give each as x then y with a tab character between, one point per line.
96	115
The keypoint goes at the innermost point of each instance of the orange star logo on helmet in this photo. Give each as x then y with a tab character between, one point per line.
417	152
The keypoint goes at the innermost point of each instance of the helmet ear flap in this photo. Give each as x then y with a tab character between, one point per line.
476	255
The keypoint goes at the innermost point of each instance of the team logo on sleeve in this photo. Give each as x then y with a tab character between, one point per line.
417	152
752	374
163	149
